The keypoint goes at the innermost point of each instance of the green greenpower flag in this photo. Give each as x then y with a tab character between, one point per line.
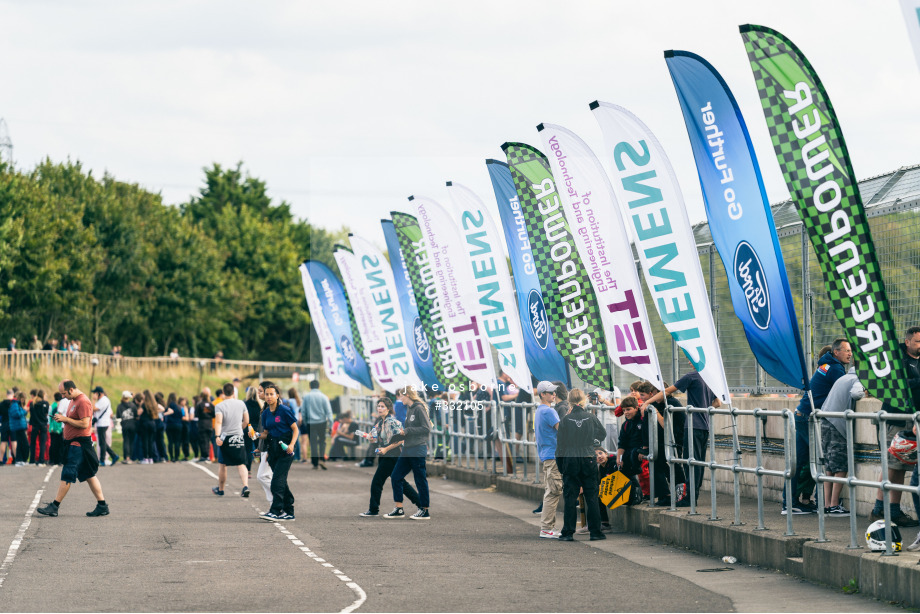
415	256
355	333
571	306
814	160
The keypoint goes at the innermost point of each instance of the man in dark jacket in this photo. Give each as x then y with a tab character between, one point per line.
579	433
910	354
831	367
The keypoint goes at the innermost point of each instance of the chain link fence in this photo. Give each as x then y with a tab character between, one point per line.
893	207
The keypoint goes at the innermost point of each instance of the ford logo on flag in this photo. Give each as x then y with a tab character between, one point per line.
421	341
348	351
749	275
538	320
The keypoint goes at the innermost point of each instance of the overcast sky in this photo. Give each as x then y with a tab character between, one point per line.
346	109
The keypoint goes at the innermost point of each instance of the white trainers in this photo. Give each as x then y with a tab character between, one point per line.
916	545
549	535
581	530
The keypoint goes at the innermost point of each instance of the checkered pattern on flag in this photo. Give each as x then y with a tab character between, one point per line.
562	275
355	332
813	157
412	246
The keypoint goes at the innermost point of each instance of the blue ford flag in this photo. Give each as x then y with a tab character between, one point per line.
740	219
334	304
419	344
544	360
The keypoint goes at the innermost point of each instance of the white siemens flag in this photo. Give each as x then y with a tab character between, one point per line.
650	198
376	277
332	360
362	305
600	236
911	10
453	282
492	282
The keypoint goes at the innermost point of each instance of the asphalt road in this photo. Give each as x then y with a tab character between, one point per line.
171	545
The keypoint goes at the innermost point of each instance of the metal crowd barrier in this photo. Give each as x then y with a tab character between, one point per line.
816	464
736	467
518	443
460	430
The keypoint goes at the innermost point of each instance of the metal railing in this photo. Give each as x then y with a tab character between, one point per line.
736	468
464	428
818	472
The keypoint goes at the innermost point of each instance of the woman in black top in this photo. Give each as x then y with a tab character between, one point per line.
417	430
38	420
148	413
255	420
173	418
388	444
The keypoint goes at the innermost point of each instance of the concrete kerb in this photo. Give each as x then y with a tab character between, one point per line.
895	579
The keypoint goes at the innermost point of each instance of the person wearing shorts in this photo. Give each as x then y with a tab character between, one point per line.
842	396
231	420
80	460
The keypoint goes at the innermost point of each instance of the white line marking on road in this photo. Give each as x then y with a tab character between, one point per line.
20	534
357	603
205	469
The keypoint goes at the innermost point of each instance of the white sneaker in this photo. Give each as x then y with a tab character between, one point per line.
581	530
549	535
916	545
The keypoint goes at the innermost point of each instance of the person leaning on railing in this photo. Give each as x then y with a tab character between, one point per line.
845	391
647	391
698	395
831	367
910	353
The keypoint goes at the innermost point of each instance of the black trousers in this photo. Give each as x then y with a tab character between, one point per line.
385	466
700	443
282	497
204	441
193	438
103	444
185	441
22	446
580	473
57	449
160	441
39	435
148	438
128	432
317	443
174	433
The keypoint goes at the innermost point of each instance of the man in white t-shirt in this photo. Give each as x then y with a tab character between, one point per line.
102	418
231	418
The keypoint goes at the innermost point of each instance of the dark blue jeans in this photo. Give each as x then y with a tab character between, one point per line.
801	453
412	459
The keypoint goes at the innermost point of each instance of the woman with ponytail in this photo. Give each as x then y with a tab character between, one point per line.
417	430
